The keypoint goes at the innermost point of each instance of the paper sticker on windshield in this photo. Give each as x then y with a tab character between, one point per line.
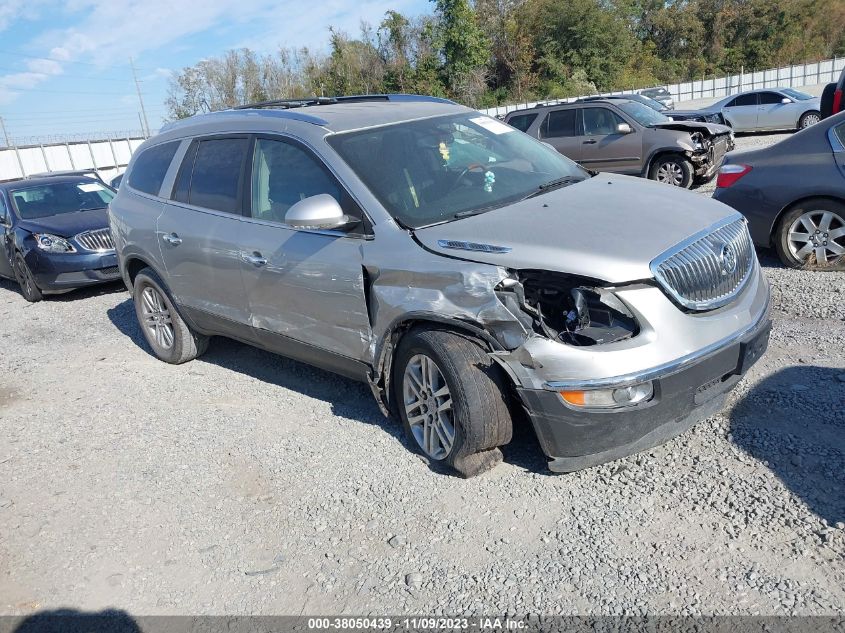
89	187
492	125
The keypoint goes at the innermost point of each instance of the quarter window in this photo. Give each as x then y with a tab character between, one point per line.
151	166
560	123
522	121
216	178
282	175
839	130
4	212
600	121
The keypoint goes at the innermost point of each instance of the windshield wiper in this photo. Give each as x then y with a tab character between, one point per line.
553	184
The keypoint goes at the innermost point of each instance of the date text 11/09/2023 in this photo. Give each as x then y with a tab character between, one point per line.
416	623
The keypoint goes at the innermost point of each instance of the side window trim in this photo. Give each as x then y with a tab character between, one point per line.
366	229
173	171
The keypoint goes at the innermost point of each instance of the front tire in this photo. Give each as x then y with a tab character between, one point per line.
166	332
811	236
23	275
451	398
808	118
672	169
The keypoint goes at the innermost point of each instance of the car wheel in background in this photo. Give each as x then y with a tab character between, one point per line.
164	329
672	169
451	398
26	280
807	119
812	235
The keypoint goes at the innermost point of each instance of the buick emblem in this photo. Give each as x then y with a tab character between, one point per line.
728	259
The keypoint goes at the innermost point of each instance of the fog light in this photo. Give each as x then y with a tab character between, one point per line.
609	398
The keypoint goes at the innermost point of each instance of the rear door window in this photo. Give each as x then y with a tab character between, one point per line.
560	123
743	100
217	176
770	98
151	166
522	121
4	212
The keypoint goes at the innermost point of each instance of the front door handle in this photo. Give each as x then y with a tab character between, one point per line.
254	258
592	141
172	239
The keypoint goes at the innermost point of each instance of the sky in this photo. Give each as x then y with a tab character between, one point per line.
64	65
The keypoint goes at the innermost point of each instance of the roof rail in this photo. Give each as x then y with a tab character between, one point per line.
316	101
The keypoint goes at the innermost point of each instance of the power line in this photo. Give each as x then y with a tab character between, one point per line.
36	72
68	61
64	92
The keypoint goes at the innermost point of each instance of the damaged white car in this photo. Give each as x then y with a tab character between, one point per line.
473	276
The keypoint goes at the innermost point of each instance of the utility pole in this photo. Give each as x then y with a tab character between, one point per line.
5	133
140	98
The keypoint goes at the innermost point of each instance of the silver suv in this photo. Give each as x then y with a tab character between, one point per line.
470	274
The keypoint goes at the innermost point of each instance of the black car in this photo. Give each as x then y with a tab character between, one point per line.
702	116
54	234
793	194
833	97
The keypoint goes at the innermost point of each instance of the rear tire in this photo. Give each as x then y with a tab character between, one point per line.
166	332
672	169
451	398
812	230
808	118
23	275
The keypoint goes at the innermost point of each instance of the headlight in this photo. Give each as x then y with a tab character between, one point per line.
53	243
613	398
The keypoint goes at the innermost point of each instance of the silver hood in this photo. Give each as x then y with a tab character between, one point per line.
609	228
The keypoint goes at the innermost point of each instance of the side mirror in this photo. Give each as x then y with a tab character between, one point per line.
786	100
623	128
318	212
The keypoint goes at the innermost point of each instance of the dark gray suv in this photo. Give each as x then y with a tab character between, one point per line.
627	137
467	272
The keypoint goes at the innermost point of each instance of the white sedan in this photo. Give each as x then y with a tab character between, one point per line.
769	109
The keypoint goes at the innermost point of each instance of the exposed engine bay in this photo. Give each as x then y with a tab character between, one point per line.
563	310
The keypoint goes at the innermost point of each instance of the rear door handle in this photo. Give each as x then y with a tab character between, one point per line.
592	141
172	238
254	258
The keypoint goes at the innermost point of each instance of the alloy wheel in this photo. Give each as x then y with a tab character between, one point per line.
156	316
24	277
819	236
428	407
809	119
671	174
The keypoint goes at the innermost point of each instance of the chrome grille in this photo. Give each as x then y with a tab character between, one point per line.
99	240
709	269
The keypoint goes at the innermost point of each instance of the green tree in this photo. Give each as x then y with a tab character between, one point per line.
465	49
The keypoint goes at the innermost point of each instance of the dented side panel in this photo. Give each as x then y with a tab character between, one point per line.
311	289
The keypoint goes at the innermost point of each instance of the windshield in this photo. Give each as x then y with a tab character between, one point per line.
643	114
61	197
429	171
796	94
648	101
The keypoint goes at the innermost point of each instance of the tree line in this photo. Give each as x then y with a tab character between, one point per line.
489	52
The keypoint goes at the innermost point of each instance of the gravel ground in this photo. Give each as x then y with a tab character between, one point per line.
245	483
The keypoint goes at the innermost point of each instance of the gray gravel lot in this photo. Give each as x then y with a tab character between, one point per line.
247	483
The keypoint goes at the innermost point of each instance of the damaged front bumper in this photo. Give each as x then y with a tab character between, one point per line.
707	161
684	364
685	392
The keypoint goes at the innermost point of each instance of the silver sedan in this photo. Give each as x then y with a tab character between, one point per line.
770	109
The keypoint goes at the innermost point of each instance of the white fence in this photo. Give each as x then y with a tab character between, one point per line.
785	77
108	157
